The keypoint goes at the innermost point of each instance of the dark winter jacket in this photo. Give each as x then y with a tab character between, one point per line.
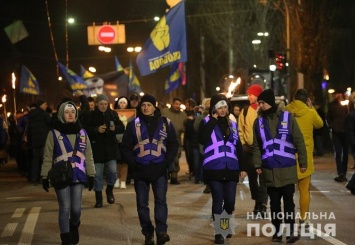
149	172
39	124
104	145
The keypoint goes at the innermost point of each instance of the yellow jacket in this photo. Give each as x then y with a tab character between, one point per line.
307	119
245	126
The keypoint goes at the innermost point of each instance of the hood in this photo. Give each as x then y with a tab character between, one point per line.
297	108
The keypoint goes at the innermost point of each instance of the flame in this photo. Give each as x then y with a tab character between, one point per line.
13	80
232	87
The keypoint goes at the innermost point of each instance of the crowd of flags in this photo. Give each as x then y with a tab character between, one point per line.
166	46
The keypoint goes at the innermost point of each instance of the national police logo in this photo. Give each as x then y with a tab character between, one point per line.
224	224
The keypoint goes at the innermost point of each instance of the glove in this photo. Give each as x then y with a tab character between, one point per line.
45	184
91	182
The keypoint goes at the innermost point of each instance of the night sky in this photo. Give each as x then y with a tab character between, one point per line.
36	51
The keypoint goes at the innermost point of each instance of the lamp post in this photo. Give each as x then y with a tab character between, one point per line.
3	99
14	89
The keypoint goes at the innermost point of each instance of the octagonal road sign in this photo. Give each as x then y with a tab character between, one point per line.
106	34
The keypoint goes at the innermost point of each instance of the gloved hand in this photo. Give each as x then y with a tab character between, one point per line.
91	180
45	184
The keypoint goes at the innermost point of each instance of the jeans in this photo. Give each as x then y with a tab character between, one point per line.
197	164
160	188
111	174
223	196
286	193
69	200
340	145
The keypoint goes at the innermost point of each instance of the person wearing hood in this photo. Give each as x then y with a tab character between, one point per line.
150	146
308	120
68	137
222	158
276	139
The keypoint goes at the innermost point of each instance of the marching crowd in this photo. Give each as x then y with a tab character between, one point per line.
272	146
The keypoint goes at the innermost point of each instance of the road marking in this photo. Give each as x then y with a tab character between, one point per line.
29	227
18	212
326	237
9	229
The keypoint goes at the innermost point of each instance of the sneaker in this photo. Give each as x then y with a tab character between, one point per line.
117	184
293	238
123	185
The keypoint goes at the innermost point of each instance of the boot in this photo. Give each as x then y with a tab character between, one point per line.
109	194
162	237
218	239
174	181
74	232
98	195
65	237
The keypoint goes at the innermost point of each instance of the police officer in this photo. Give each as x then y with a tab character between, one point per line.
277	138
149	146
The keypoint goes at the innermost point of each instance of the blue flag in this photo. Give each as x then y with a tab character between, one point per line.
166	44
28	82
75	82
134	84
174	79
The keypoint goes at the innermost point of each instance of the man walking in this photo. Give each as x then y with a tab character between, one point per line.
277	138
245	129
150	145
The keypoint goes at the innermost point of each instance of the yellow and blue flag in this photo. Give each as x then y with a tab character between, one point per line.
134	85
85	73
75	82
166	44
174	78
28	82
118	65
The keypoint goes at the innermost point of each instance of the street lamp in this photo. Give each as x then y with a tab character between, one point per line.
14	88
134	49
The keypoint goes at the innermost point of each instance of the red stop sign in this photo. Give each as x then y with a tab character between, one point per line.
106	34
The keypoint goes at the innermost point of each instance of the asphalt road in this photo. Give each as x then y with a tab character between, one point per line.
28	214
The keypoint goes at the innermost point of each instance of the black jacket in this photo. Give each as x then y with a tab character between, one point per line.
104	145
149	172
39	124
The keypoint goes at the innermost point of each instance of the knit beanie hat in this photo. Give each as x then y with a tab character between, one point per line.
149	98
217	101
40	102
267	96
101	97
255	89
123	99
134	97
64	106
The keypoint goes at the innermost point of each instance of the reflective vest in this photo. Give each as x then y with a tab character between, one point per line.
278	152
219	154
63	151
147	151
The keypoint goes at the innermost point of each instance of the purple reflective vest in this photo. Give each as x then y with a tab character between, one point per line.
63	151
219	154
147	152
278	152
